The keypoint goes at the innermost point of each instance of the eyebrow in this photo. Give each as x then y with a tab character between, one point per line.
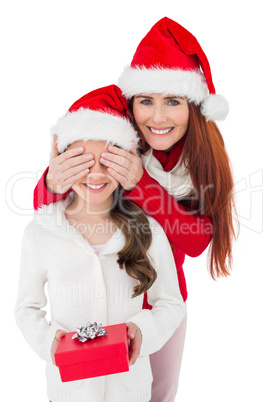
166	97
143	96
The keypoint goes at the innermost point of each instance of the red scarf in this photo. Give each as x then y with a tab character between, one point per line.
168	161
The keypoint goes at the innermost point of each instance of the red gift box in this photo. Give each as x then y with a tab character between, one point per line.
104	355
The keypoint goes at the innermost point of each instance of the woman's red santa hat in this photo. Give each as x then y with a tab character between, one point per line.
100	115
169	60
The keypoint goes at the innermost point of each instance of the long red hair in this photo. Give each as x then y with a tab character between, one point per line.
205	156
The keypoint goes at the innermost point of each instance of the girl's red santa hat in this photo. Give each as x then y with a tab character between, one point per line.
100	115
169	60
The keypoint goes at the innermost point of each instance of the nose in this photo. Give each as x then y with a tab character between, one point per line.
158	114
98	168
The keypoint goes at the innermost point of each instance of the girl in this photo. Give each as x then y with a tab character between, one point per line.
98	253
183	178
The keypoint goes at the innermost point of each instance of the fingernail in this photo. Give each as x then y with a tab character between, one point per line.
102	160
89	156
80	149
104	155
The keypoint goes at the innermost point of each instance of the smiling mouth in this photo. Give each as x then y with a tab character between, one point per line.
161	131
95	186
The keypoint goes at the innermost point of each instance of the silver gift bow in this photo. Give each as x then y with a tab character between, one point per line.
89	332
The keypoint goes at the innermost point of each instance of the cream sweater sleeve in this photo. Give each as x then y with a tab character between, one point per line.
158	325
31	299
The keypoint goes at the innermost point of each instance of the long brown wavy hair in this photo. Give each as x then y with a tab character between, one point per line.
133	257
205	156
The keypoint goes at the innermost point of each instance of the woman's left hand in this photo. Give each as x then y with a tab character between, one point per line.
134	334
123	166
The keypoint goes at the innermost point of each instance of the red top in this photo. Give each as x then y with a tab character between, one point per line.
188	233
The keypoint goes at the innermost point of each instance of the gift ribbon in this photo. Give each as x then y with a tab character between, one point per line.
89	332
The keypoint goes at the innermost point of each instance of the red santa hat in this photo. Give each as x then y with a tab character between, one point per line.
100	115
169	60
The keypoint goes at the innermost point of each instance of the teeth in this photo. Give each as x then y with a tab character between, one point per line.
161	131
93	187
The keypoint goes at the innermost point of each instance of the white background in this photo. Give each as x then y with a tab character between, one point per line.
52	53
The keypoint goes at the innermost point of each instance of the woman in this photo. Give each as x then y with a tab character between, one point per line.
98	254
183	178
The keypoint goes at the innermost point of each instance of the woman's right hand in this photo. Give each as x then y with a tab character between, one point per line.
67	168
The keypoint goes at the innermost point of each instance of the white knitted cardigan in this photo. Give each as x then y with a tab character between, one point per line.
84	286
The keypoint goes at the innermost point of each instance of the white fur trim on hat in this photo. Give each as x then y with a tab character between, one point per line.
191	84
85	124
215	107
135	81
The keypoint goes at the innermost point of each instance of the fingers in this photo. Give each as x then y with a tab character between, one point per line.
122	169
134	334
124	180
72	154
71	176
66	174
125	167
54	150
133	149
131	330
119	168
121	152
73	161
59	334
115	162
66	169
128	155
61	183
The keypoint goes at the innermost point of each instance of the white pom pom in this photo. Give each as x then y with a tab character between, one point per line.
215	107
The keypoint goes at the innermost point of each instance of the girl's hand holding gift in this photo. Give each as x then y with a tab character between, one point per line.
59	334
67	168
134	334
125	167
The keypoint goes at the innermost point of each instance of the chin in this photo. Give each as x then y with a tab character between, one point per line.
160	146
